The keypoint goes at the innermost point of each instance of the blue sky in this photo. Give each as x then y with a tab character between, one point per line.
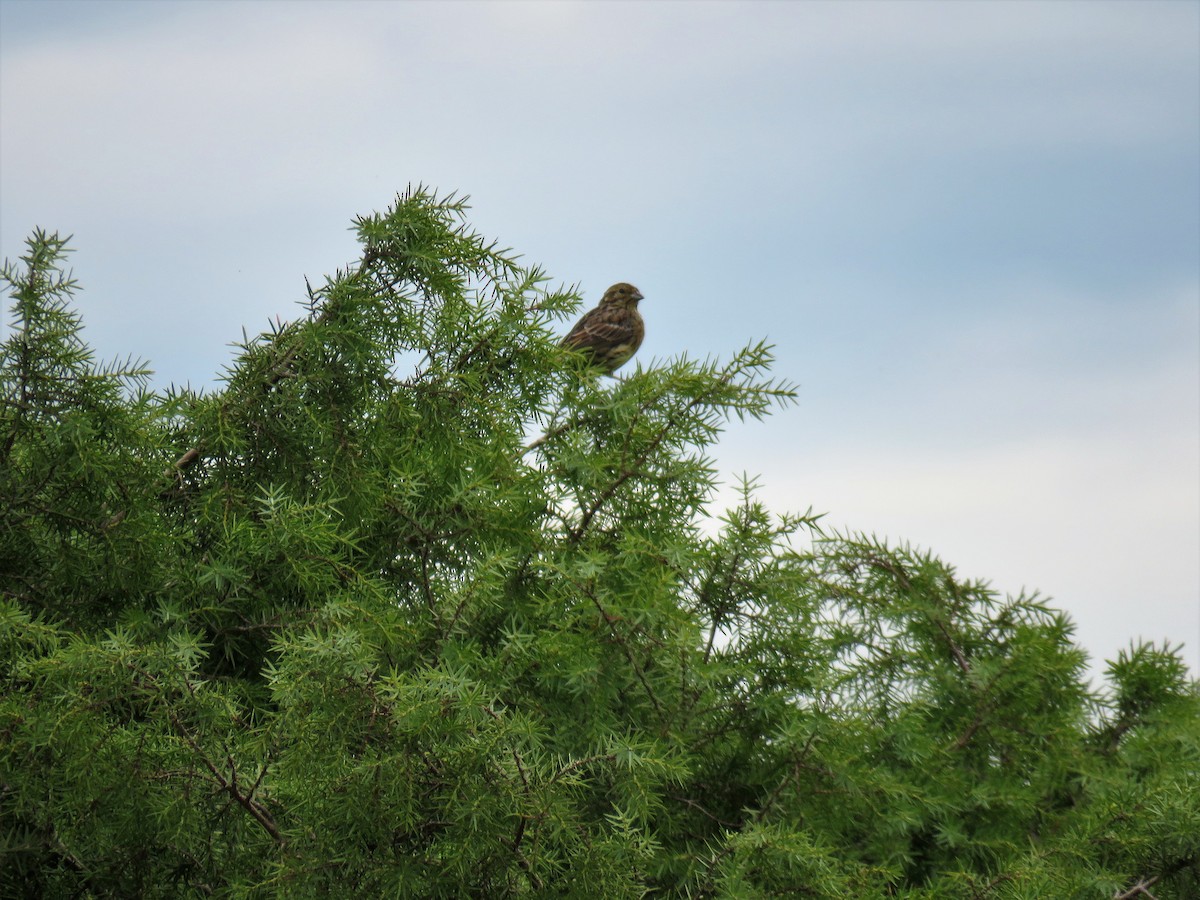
971	229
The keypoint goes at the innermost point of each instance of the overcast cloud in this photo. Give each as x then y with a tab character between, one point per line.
971	229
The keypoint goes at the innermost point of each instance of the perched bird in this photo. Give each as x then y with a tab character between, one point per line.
611	333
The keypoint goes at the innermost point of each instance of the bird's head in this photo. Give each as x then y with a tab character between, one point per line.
623	295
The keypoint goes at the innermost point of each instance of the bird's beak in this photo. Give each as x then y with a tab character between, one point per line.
637	295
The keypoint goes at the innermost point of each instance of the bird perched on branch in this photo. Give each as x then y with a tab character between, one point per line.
611	333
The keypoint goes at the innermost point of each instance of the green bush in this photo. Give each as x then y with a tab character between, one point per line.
416	605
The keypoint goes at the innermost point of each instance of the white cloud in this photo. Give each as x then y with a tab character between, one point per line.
1102	518
203	114
921	203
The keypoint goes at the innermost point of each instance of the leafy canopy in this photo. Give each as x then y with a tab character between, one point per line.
416	605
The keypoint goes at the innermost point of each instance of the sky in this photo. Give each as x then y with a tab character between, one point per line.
971	230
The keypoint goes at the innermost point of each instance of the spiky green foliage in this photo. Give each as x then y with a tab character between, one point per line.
415	605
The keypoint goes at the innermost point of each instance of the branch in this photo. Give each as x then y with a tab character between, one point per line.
605	496
688	801
629	471
976	724
704	596
580	763
229	785
959	657
277	372
519	835
1140	889
611	621
182	464
797	766
551	434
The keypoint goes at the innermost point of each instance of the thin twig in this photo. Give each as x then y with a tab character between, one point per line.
522	820
1141	889
959	657
229	785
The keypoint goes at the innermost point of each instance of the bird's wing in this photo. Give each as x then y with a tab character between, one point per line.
601	328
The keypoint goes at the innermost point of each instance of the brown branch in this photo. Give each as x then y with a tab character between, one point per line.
611	621
229	785
990	886
184	462
892	568
959	657
523	819
1141	889
278	371
730	580
551	434
975	725
798	765
605	496
580	763
629	471
688	801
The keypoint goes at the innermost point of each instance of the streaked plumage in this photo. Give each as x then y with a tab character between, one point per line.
612	332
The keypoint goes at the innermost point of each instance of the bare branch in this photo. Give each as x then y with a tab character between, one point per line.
1141	889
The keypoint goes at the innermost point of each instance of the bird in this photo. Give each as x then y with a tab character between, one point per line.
612	332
